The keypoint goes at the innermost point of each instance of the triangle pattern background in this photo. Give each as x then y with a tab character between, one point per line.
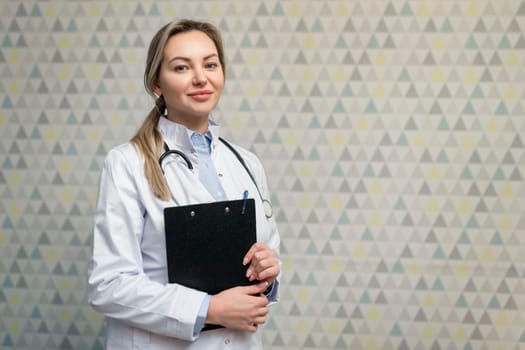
393	135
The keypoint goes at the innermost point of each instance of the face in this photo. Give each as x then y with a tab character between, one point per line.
190	79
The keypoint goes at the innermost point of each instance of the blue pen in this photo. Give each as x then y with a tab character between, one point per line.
244	198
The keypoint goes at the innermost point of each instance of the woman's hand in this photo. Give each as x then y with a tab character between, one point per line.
241	308
264	264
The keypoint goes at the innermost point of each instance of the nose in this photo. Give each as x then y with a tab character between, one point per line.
199	77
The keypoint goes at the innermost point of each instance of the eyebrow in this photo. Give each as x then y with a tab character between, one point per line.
189	59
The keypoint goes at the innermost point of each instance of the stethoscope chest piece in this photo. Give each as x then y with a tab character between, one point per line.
268	210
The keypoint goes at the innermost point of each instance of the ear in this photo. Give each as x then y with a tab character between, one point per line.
157	91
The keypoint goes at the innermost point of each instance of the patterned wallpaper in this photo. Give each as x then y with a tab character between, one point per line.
393	134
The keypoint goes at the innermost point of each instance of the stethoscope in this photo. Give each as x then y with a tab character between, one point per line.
267	206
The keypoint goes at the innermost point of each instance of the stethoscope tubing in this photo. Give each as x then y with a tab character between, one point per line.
268	210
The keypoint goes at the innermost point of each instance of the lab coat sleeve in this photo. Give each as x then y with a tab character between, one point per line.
274	239
117	284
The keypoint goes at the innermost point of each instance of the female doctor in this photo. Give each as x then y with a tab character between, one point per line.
127	273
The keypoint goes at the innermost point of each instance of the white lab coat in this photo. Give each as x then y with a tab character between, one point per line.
127	275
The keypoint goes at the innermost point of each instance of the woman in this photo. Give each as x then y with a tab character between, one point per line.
127	274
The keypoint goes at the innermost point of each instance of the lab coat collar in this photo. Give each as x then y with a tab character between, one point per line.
178	136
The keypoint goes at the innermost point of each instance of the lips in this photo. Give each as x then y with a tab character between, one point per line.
200	95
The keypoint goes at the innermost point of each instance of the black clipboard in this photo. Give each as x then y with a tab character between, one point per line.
206	243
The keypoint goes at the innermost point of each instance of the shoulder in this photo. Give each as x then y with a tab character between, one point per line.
123	156
249	157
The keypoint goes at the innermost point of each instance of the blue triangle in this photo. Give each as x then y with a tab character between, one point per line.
8	164
339	107
154	11
314	123
462	302
469	109
442	157
443	124
72	150
371	107
341	43
347	91
402	140
336	236
278	10
35	255
343	220
367	236
473	222
275	138
245	106
36	194
317	26
463	238
494	303
35	12
477	93
72	27
499	175
337	172
8	341
94	42
36	313
246	42
369	171
466	174
276	74
400	204
471	43
365	298
7	103
123	104
372	43
406	10
447	27
439	254
101	88
396	331
35	134
404	76
398	268
7	42
7	224
438	285
93	104
496	239
311	250
35	73
502	109
123	42
504	43
71	119
314	155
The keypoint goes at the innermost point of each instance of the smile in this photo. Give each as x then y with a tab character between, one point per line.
201	95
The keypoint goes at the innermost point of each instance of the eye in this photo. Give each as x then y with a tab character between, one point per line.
211	65
180	68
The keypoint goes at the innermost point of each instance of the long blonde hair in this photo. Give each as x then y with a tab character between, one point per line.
148	139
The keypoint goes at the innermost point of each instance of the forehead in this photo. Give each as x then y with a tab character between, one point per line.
192	44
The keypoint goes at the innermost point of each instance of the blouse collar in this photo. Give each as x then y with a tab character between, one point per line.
178	136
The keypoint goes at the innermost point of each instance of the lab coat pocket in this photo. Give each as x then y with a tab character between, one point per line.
141	339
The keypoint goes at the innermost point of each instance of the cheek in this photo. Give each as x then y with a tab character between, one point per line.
170	84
